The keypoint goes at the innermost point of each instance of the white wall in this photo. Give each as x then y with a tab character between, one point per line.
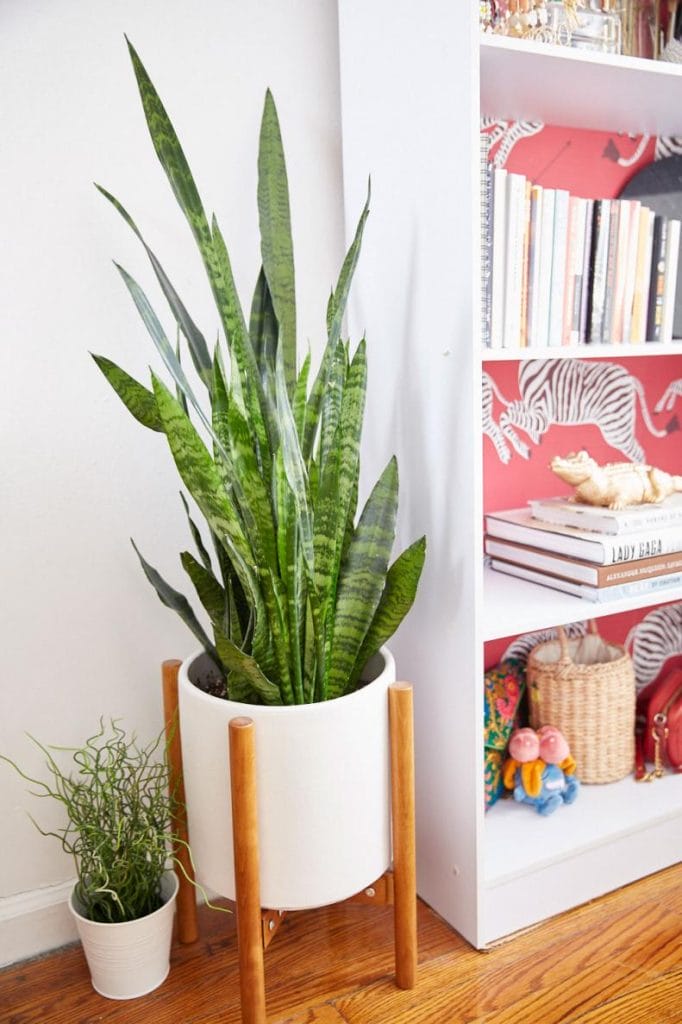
82	633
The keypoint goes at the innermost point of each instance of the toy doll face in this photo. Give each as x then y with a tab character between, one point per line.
524	745
553	746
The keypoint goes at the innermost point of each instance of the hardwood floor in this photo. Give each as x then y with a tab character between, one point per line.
617	960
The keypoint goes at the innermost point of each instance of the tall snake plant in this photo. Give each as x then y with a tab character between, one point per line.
300	593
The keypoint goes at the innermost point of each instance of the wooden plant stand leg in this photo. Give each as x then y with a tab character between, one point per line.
403	825
188	930
242	744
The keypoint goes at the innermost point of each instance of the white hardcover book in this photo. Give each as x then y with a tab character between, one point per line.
540	335
516	207
519	525
499	255
594	518
559	246
631	270
640	297
640	588
670	286
622	253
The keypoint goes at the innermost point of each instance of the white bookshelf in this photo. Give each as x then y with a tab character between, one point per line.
652	348
411	119
512	606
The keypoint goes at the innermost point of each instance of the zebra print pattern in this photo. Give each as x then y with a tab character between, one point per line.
507	134
491	427
653	640
669	397
568	392
524	644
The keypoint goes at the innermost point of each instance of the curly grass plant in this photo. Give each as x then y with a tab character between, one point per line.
300	593
118	809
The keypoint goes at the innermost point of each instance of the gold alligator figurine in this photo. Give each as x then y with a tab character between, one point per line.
615	484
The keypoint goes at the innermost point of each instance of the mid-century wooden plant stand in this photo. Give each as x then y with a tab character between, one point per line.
256	926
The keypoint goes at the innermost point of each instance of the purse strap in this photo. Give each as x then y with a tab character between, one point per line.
565	657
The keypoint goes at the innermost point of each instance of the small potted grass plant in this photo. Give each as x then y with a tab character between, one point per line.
118	814
300	593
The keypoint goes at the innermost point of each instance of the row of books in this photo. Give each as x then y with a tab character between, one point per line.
559	269
596	553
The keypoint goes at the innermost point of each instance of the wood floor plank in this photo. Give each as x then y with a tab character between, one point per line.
607	961
657	1001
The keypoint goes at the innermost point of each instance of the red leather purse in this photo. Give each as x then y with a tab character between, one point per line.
658	737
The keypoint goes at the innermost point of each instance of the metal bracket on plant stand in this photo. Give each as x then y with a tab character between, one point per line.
256	927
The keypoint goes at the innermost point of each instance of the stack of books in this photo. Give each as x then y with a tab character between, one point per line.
596	553
564	270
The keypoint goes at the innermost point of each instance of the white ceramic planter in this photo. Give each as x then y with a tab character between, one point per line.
323	781
132	958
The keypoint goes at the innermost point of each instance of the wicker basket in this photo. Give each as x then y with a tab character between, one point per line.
586	688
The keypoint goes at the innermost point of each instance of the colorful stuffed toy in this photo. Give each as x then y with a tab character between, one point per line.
540	769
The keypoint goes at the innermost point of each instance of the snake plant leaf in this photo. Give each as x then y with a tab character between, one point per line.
362	579
301	397
163	345
397	598
291	572
177	601
263	325
209	591
312	415
136	398
195	340
246	668
294	465
170	153
200	476
277	248
254	500
196	536
338	307
330	410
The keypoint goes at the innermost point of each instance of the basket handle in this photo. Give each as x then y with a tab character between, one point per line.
565	658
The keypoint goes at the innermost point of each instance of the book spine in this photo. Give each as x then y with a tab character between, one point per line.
651	517
534	263
643	544
611	260
560	245
641	290
608	576
523	317
569	275
498	256
516	194
602	220
631	270
670	287
657	279
585	285
541	329
621	270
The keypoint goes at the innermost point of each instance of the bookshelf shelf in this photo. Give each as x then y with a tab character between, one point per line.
529	81
513	606
501	355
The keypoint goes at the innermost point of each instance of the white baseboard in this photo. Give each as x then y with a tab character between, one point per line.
35	922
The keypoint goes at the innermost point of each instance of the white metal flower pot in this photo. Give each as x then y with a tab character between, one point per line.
323	789
132	958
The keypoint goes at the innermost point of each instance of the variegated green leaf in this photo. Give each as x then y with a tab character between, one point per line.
291	573
136	398
294	466
263	326
330	411
337	307
177	601
362	579
169	152
275	229
196	536
301	399
209	591
397	598
246	669
253	498
195	340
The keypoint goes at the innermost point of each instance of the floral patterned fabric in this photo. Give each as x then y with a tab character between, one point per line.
504	687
